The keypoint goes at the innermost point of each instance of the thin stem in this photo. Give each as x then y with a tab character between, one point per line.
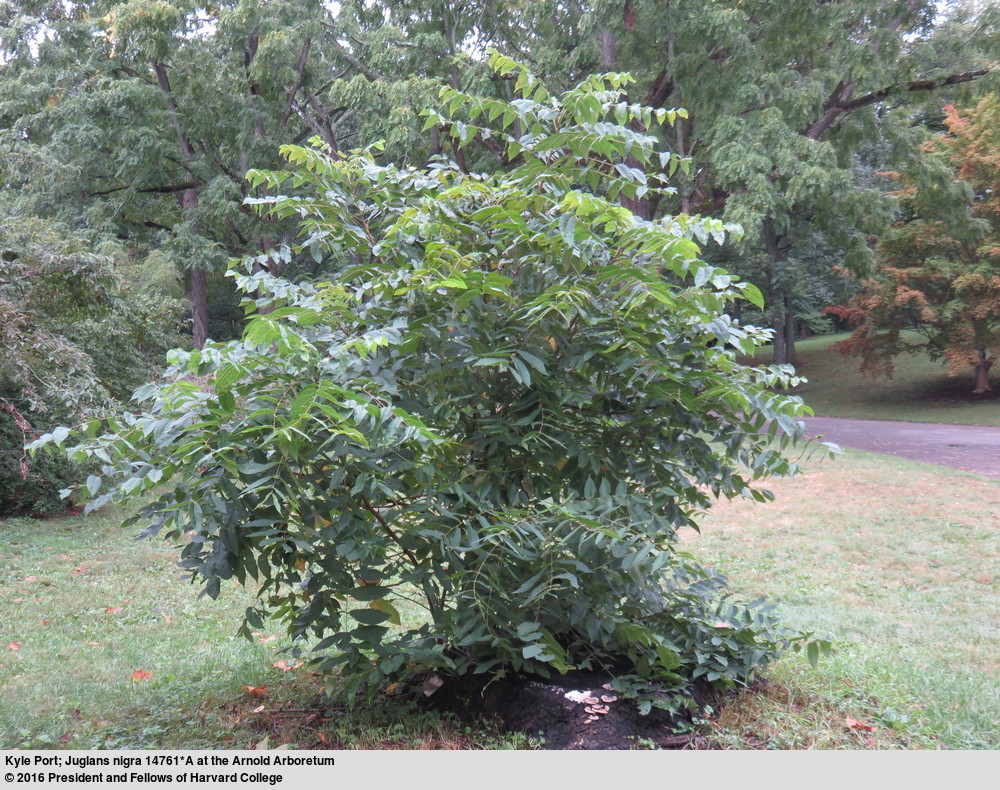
432	608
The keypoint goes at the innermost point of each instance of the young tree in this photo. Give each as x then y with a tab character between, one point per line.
937	287
509	401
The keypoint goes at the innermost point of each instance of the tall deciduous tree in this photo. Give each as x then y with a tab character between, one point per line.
141	119
939	267
780	96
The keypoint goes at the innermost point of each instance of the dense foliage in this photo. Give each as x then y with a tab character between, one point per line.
937	287
79	331
505	407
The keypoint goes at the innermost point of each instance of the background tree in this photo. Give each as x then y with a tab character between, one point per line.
139	121
781	97
937	287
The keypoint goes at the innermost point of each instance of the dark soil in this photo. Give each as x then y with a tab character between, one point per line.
574	711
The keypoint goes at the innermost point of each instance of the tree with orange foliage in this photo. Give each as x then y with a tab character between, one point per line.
937	285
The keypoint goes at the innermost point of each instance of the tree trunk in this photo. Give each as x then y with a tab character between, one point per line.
643	207
609	50
790	356
783	322
982	367
198	295
778	344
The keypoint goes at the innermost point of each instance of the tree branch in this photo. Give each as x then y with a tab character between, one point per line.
406	552
661	88
164	81
843	101
165	189
300	68
346	55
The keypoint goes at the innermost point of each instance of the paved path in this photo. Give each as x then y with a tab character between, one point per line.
969	447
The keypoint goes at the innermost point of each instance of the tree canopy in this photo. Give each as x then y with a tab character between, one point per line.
937	286
141	121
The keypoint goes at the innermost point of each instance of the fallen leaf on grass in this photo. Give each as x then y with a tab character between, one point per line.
46	622
14	646
141	674
256	691
31	579
284	666
854	724
113	610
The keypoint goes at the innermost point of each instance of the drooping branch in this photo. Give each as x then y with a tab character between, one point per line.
346	55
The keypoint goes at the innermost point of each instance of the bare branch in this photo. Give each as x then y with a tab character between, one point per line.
842	100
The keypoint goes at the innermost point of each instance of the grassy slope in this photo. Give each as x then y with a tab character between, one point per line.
919	391
909	585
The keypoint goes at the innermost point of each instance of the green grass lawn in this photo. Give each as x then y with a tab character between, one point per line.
919	391
84	608
898	561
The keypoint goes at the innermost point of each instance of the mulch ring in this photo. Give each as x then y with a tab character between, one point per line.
578	710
